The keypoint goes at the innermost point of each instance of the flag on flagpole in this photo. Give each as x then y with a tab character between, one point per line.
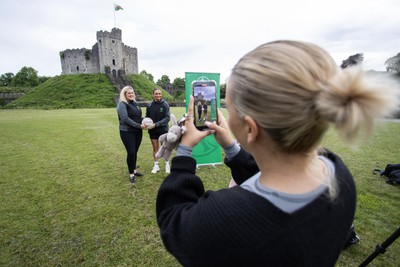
117	7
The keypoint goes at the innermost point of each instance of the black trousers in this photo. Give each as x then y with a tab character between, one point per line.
132	141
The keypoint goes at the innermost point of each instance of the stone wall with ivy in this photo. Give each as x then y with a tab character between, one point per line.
75	61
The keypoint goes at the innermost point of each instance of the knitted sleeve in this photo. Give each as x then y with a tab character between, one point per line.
242	166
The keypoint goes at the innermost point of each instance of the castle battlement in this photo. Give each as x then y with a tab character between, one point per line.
129	48
115	34
74	50
106	56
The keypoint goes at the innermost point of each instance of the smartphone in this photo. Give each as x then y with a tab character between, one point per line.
205	103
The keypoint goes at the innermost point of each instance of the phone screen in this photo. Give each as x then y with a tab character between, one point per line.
205	103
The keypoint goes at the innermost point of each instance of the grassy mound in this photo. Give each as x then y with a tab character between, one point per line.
81	91
69	91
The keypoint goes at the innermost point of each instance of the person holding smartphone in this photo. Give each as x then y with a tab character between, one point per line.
295	202
158	110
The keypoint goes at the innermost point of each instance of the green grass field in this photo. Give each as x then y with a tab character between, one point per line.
66	199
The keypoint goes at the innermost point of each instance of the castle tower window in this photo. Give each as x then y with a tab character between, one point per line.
113	41
77	68
114	62
99	40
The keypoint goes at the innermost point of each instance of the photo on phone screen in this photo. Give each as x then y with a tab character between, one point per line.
205	103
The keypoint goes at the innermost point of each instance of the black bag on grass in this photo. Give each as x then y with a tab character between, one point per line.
392	172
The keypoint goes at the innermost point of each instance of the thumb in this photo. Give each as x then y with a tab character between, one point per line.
213	126
222	135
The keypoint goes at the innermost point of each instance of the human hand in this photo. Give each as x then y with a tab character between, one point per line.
192	135
221	131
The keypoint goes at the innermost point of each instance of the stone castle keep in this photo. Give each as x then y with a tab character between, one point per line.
109	55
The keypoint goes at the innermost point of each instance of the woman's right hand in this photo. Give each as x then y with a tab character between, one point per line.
221	131
192	135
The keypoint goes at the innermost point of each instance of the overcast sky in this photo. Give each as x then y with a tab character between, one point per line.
178	36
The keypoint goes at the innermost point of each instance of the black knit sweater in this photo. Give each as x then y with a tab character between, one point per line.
235	227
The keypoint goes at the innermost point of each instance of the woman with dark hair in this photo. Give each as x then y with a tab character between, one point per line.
158	111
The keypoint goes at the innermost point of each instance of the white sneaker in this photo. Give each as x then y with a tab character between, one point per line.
167	168
155	169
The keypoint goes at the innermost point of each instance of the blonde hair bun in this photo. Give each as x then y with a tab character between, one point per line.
354	98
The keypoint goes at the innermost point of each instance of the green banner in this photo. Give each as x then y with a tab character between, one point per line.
207	152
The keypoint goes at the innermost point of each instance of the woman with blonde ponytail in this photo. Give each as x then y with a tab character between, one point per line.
295	202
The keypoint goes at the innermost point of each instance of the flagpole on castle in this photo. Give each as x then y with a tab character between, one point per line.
116	8
115	22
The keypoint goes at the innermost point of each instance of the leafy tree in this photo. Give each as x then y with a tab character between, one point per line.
179	83
27	77
352	60
148	75
393	64
164	81
6	79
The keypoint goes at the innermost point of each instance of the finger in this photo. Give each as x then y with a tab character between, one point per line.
218	131
213	126
222	120
190	109
221	133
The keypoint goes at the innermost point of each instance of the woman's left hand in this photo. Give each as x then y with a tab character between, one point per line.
192	135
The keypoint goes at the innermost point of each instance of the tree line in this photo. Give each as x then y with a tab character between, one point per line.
392	64
25	77
28	76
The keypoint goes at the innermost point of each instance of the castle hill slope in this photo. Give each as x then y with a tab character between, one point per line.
81	91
